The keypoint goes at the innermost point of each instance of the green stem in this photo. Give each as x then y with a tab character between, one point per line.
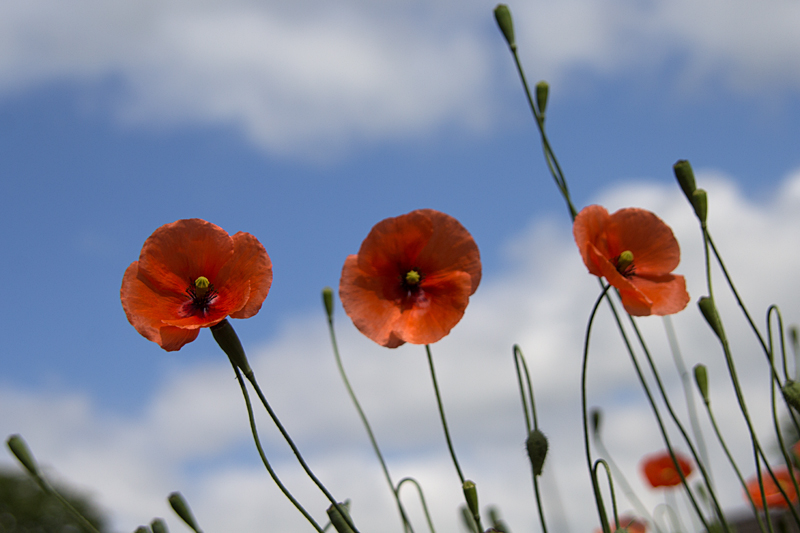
406	524
421	498
446	430
317	482
263	456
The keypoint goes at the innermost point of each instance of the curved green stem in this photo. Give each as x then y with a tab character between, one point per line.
421	498
263	456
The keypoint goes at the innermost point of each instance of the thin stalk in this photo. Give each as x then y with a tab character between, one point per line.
263	456
421	498
446	430
406	524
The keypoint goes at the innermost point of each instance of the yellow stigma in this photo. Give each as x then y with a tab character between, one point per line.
201	285
624	260
413	277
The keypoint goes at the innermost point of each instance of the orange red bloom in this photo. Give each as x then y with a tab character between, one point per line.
772	494
412	278
659	469
191	274
628	524
636	252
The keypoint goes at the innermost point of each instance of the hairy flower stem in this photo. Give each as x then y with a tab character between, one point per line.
296	451
263	456
476	516
406	524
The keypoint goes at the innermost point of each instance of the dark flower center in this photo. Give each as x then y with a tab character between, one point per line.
624	264
202	294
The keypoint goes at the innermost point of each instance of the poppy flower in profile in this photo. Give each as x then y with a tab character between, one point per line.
191	274
627	524
636	252
659	469
412	278
775	500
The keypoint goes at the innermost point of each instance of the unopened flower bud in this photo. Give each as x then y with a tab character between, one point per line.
701	378
142	529
227	339
791	393
471	495
181	508
503	17
542	91
327	299
158	526
23	454
596	419
685	176
537	450
709	311
338	521
700	204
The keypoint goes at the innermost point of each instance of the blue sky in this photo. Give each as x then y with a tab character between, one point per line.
307	130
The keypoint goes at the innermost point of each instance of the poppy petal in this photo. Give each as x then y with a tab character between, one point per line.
655	249
667	293
252	264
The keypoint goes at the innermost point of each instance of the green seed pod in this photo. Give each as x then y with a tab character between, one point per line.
700	204
503	17
227	339
158	526
701	378
181	508
537	450
791	393
23	454
685	176
471	495
327	299
709	311
542	92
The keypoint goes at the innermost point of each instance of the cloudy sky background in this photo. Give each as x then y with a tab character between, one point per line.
305	123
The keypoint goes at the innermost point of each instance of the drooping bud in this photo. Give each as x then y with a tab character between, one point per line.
701	378
471	496
709	311
791	393
596	419
700	204
542	91
23	454
503	17
327	299
340	522
181	508
227	339
685	176
537	450
158	526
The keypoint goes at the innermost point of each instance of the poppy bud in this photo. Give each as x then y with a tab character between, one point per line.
596	418
227	339
709	311
142	529
338	521
701	378
791	393
700	204
685	176
498	525
542	91
537	450
503	17
471	495
327	299
181	508
23	454
158	526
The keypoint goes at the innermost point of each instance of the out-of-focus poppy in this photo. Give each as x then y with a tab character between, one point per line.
411	279
636	252
191	274
627	524
659	469
775	500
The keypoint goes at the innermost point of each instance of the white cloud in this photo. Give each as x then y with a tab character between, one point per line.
308	78
192	433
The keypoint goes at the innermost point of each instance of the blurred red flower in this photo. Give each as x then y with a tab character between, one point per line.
659	469
412	278
191	274
771	492
636	252
627	524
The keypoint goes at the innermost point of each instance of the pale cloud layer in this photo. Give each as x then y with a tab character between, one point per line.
192	435
309	78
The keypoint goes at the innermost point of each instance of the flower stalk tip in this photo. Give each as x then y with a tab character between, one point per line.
229	341
537	450
181	508
542	92
20	449
709	311
503	17
685	176
158	526
471	496
327	300
700	204
596	419
701	378
142	529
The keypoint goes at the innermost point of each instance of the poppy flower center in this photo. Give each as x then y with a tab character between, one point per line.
412	278
202	294
624	264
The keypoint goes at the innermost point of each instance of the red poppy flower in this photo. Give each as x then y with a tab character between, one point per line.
773	495
412	278
191	274
636	252
659	469
628	524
